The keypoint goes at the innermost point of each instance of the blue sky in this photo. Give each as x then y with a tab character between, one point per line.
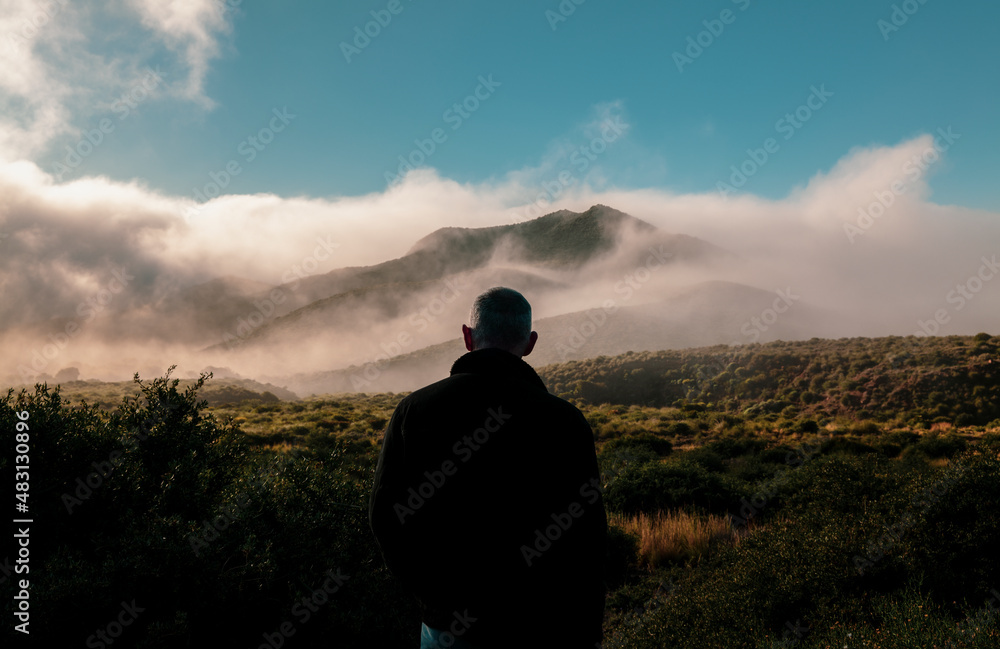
556	81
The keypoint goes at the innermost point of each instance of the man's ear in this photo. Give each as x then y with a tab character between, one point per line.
532	339
467	334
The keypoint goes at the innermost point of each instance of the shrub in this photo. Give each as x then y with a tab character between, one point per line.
847	446
732	446
808	426
926	584
935	445
215	539
679	429
707	458
676	536
671	485
657	445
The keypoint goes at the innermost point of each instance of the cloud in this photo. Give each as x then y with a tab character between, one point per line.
62	242
579	157
32	96
191	28
62	61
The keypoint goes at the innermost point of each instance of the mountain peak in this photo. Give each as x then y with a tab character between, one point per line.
559	238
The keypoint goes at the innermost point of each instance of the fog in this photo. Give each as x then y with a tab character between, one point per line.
110	277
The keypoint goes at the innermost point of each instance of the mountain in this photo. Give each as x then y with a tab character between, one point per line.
705	314
920	381
569	265
560	241
387	302
419	299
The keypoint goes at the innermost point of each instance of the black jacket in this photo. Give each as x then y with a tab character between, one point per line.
487	507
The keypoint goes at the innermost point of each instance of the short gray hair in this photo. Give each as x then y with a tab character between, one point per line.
500	317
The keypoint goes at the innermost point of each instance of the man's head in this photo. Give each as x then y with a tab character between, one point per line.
500	318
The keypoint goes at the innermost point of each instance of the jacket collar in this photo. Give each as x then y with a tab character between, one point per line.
499	363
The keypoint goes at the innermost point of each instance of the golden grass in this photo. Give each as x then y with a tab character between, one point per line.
675	536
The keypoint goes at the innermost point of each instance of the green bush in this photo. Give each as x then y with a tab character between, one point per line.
847	446
679	429
661	447
217	541
669	485
732	446
707	458
935	445
919	584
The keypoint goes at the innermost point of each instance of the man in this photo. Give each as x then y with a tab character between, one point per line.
487	501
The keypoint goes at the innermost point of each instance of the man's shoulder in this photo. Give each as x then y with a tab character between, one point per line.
478	386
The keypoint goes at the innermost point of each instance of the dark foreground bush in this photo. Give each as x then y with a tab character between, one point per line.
670	485
647	441
866	547
166	518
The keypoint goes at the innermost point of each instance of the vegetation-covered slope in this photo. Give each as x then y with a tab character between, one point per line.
924	380
738	521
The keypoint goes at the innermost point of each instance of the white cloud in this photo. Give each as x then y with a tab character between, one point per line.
259	236
572	153
192	28
61	242
57	66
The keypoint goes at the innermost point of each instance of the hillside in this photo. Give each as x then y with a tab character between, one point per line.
561	240
953	380
561	262
727	519
705	314
358	310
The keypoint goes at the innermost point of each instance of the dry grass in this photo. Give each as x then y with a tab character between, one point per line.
675	536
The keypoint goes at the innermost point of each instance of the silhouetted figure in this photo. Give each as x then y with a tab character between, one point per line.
487	501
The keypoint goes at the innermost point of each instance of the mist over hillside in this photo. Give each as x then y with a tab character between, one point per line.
601	282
